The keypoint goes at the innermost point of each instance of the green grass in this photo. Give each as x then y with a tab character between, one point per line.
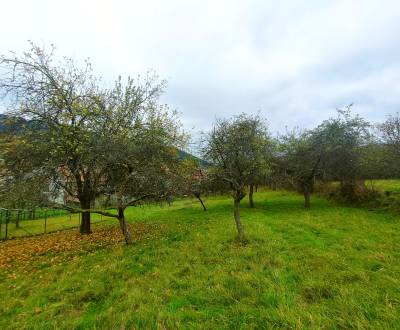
329	267
386	185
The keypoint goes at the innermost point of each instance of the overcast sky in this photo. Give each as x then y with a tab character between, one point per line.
294	61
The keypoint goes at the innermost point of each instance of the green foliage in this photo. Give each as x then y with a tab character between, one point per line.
377	162
90	141
196	180
137	141
63	99
340	149
390	141
238	150
342	140
299	161
362	194
390	134
19	189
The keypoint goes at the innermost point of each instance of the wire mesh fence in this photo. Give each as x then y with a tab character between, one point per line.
22	223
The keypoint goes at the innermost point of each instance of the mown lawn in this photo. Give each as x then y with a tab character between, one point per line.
330	267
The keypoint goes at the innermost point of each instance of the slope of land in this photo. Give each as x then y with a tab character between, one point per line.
328	267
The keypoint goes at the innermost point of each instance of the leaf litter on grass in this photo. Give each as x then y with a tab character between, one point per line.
68	243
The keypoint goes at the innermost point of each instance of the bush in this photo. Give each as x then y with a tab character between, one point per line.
355	192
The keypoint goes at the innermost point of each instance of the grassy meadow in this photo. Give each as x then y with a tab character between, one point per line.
329	267
386	185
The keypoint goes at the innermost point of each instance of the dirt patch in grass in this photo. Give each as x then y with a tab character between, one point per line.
20	251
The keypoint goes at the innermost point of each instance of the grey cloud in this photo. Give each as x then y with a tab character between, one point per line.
295	61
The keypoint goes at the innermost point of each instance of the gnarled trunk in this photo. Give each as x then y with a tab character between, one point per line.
85	224
85	196
85	219
251	192
124	227
236	213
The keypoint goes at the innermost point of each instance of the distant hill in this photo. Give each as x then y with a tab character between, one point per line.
2	124
185	155
11	124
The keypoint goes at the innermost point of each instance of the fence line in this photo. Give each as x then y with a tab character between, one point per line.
22	223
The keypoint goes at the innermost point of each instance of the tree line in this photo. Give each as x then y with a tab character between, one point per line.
120	145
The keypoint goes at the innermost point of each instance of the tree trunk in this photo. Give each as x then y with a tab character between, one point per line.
307	198
256	187
201	201
124	227
85	223
239	224
85	219
251	191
